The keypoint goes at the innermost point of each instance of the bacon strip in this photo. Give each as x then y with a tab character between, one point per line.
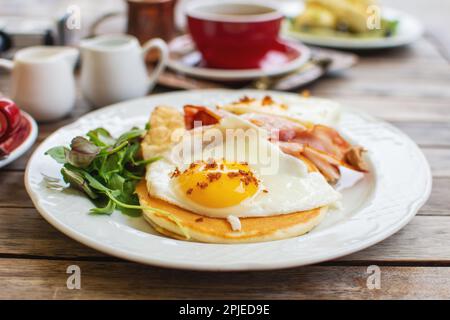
321	145
199	114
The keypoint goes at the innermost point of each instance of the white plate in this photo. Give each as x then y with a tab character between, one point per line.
26	144
374	208
186	66
409	30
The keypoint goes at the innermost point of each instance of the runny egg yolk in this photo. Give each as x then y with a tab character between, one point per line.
217	184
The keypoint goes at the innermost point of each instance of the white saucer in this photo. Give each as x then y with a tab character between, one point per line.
409	30
184	58
25	145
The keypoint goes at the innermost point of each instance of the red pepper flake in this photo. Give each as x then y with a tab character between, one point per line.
246	177
265	191
233	174
175	173
211	164
202	185
199	220
192	165
213	176
267	101
246	99
189	191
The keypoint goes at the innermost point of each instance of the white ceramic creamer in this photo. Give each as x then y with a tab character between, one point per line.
114	70
42	80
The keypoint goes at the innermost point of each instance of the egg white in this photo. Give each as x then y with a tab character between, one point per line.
291	188
301	109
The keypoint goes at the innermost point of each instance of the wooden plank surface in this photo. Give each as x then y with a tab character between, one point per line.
122	280
24	233
408	87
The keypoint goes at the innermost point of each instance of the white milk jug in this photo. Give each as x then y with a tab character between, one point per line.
113	68
42	80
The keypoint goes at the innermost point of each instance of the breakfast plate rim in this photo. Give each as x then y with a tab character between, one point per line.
413	206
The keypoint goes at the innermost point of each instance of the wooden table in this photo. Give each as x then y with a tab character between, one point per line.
408	87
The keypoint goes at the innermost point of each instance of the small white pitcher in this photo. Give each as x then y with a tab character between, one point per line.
114	70
43	83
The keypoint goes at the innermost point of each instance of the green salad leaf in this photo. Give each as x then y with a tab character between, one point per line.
105	169
58	153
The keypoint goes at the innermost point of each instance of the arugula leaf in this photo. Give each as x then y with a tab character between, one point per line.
82	152
77	181
107	170
57	153
111	165
117	148
132	152
117	182
108	209
130	135
94	183
101	137
145	162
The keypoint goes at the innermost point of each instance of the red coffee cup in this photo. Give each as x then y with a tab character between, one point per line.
233	34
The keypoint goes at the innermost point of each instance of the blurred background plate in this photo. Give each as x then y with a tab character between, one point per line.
409	30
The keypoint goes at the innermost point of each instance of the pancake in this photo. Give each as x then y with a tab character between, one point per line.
186	225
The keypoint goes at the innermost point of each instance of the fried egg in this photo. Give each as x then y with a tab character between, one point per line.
300	109
234	170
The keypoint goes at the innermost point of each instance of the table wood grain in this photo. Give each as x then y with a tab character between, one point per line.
409	87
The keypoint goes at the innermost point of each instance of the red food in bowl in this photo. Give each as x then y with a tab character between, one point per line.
14	128
9	118
3	125
233	35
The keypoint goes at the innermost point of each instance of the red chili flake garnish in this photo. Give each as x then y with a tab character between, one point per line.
246	177
211	164
233	174
202	185
213	176
246	180
266	191
175	173
245	99
199	220
189	191
242	172
192	165
267	100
